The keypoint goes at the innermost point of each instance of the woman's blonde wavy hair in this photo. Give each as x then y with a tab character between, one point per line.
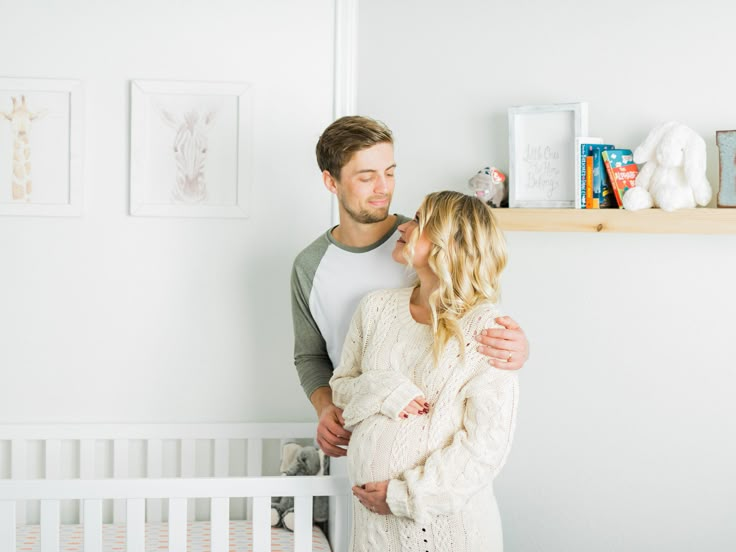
468	254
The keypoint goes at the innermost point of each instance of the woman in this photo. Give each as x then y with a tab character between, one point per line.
432	421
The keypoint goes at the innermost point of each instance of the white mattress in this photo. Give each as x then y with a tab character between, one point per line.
28	538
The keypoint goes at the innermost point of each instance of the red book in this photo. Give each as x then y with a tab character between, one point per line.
622	171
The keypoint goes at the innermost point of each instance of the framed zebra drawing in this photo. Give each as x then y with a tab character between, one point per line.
191	148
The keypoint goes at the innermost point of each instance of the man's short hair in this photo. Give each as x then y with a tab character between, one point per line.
344	137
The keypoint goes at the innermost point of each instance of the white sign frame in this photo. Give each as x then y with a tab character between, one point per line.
49	167
542	154
143	159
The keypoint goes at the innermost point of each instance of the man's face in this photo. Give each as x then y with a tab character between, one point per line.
366	184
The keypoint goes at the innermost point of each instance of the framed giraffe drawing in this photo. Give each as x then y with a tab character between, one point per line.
191	149
41	145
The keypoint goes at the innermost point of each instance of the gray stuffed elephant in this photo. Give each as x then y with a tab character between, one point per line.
300	461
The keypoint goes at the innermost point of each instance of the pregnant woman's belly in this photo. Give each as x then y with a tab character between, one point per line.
382	449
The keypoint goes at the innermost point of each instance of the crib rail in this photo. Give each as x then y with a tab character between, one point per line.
269	430
153	436
134	493
137	500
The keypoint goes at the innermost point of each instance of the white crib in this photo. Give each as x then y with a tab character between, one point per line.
69	459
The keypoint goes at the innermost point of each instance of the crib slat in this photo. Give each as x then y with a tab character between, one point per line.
87	459
255	463
53	459
255	457
49	525
52	470
302	524
17	459
86	465
222	458
220	527
92	525
187	457
177	524
262	524
18	471
340	522
188	470
119	471
154	469
136	525
120	459
7	525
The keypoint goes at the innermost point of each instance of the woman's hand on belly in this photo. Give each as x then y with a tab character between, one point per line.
418	406
373	497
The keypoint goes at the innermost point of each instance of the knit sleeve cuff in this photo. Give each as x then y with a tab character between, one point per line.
397	498
399	398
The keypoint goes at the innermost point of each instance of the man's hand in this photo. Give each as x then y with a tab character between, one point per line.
331	432
373	497
507	347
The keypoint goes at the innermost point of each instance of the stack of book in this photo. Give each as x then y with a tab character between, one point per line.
603	174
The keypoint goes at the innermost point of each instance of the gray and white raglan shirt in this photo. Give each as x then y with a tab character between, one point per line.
328	280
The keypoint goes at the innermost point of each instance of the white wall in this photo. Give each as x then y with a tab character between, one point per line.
624	438
626	423
109	317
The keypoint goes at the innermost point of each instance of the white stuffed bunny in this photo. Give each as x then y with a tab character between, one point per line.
673	176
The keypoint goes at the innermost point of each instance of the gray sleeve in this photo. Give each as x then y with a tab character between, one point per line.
312	362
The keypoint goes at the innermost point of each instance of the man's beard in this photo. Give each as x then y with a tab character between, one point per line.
366	217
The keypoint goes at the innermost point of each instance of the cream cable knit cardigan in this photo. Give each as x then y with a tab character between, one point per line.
440	465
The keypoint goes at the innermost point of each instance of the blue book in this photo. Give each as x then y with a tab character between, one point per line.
603	196
583	145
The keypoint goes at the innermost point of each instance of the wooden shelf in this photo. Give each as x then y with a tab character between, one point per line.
649	221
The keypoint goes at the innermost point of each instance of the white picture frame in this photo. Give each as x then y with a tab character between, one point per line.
41	147
542	154
191	148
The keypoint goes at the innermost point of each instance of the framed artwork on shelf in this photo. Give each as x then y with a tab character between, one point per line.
726	142
542	154
41	146
191	148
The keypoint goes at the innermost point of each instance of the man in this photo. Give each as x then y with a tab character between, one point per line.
330	276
